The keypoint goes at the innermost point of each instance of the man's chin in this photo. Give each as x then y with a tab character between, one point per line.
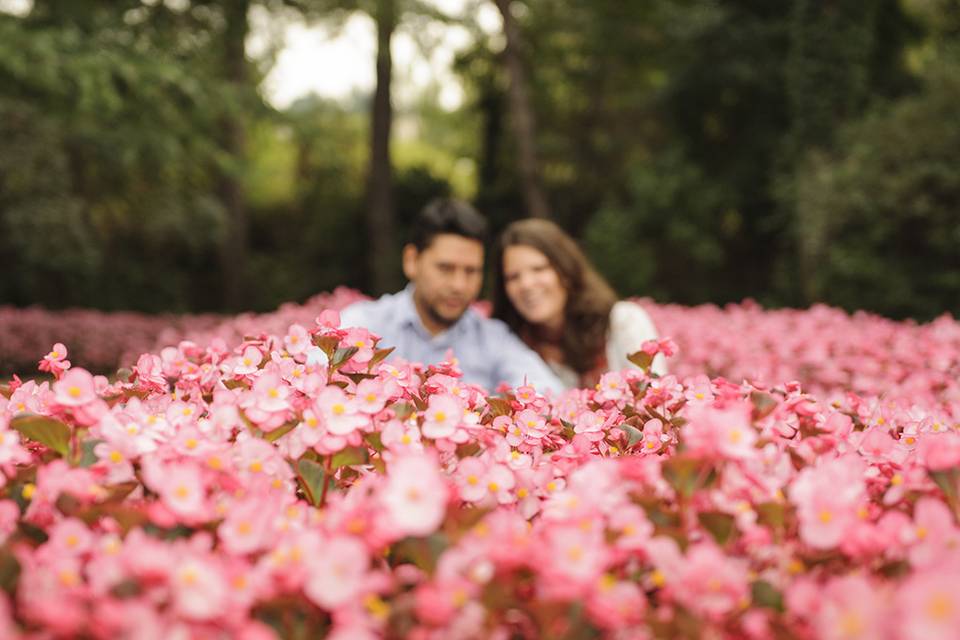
448	318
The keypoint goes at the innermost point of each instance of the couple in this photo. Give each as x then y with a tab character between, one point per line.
567	326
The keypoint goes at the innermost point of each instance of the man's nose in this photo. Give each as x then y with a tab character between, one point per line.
461	280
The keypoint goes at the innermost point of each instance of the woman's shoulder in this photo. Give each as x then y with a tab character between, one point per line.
626	313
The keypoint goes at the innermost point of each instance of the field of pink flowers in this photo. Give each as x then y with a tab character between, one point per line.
285	479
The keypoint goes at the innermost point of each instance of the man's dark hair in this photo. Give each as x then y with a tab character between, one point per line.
447	215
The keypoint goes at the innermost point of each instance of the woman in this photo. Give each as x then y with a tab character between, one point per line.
551	296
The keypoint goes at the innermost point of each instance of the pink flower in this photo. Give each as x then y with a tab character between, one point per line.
56	361
249	524
297	340
9	515
612	387
75	388
269	393
851	608
478	479
371	396
336	574
721	433
934	534
828	497
363	341
570	560
653	436
940	451
71	537
928	605
442	417
709	583
248	362
414	497
11	450
199	589
182	490
615	604
340	413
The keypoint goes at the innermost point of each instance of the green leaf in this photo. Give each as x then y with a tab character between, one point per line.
403	410
357	378
468	449
51	433
642	359
9	570
341	355
68	504
311	477
350	456
947	481
279	432
378	356
499	407
766	595
327	344
684	474
720	525
422	552
772	514
763	404
374	441
634	435
87	456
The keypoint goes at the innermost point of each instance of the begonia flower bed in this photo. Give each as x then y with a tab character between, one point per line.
300	483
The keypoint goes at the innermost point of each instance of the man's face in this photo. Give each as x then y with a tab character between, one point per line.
446	276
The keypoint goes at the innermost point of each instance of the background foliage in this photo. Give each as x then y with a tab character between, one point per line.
790	152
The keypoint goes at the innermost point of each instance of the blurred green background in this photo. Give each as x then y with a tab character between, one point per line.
789	151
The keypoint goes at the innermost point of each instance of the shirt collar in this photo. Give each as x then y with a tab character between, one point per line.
410	317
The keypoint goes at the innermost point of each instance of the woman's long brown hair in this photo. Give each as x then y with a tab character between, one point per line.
589	297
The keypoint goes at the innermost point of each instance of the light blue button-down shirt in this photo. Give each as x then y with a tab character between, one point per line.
487	351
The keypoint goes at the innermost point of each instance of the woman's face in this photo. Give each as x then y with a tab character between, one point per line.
533	286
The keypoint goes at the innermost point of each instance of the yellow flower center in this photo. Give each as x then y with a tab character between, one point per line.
938	607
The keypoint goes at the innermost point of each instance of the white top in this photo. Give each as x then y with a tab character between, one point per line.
630	327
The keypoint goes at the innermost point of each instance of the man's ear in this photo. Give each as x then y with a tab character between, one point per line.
410	255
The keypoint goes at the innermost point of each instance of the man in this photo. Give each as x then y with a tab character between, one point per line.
432	315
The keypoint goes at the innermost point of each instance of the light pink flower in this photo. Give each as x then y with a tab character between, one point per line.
337	572
75	388
340	413
297	340
442	417
851	608
199	589
928	605
414	497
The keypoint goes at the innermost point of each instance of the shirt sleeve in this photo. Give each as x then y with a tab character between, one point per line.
519	364
630	327
357	315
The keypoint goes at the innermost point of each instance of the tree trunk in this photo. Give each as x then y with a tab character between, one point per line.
521	115
233	141
382	255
